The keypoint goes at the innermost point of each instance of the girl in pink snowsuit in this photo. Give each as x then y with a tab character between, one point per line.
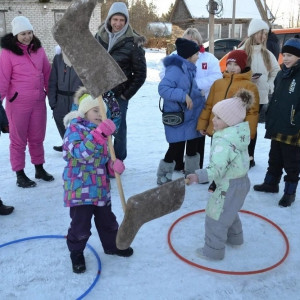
24	74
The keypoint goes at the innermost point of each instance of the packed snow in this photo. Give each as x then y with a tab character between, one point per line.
41	268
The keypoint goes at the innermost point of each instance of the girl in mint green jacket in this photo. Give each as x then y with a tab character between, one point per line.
228	167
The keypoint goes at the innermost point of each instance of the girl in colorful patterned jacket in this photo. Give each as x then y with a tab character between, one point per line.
228	167
86	180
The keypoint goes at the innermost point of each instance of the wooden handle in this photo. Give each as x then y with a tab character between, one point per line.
113	155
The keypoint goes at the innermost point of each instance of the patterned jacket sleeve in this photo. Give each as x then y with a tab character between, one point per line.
80	146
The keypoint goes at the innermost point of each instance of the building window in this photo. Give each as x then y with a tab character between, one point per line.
217	31
2	24
58	14
237	31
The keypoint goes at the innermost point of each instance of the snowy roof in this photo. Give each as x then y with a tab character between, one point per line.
244	9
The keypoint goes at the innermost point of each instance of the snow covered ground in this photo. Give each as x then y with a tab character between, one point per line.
41	268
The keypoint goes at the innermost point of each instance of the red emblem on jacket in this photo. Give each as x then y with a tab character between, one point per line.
204	66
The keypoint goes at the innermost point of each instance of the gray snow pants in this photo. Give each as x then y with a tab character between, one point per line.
229	227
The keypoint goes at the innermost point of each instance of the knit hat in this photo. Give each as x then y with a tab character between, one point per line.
86	102
239	57
292	46
118	8
83	102
257	25
20	24
233	110
186	48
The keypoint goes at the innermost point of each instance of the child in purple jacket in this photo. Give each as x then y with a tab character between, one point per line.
86	180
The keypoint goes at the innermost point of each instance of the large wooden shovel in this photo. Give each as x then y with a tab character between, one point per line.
100	73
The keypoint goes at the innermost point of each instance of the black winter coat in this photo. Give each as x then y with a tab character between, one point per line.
283	113
130	56
273	44
63	83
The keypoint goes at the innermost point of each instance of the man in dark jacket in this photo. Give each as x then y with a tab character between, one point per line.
125	46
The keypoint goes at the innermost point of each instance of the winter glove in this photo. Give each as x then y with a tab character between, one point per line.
192	178
104	129
202	175
115	166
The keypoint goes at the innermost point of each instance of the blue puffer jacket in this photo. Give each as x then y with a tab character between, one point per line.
178	81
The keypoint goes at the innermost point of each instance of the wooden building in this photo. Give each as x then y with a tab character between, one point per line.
194	13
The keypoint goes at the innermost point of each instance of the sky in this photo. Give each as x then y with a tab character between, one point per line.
162	5
40	268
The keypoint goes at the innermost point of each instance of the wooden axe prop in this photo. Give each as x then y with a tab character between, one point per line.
100	73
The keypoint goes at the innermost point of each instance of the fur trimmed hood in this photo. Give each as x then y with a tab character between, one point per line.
70	116
75	113
10	42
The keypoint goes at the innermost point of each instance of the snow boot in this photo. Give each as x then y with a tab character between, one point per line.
124	253
270	184
191	164
4	209
164	172
23	181
40	173
78	262
289	194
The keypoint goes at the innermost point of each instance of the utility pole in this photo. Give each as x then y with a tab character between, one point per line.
262	10
211	27
233	19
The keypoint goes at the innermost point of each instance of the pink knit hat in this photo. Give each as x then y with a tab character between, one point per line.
233	110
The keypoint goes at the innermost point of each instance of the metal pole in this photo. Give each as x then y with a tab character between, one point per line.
233	19
211	28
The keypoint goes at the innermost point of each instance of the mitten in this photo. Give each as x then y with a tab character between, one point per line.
104	129
115	166
192	178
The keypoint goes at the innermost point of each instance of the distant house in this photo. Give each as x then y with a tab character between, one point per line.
43	14
194	13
